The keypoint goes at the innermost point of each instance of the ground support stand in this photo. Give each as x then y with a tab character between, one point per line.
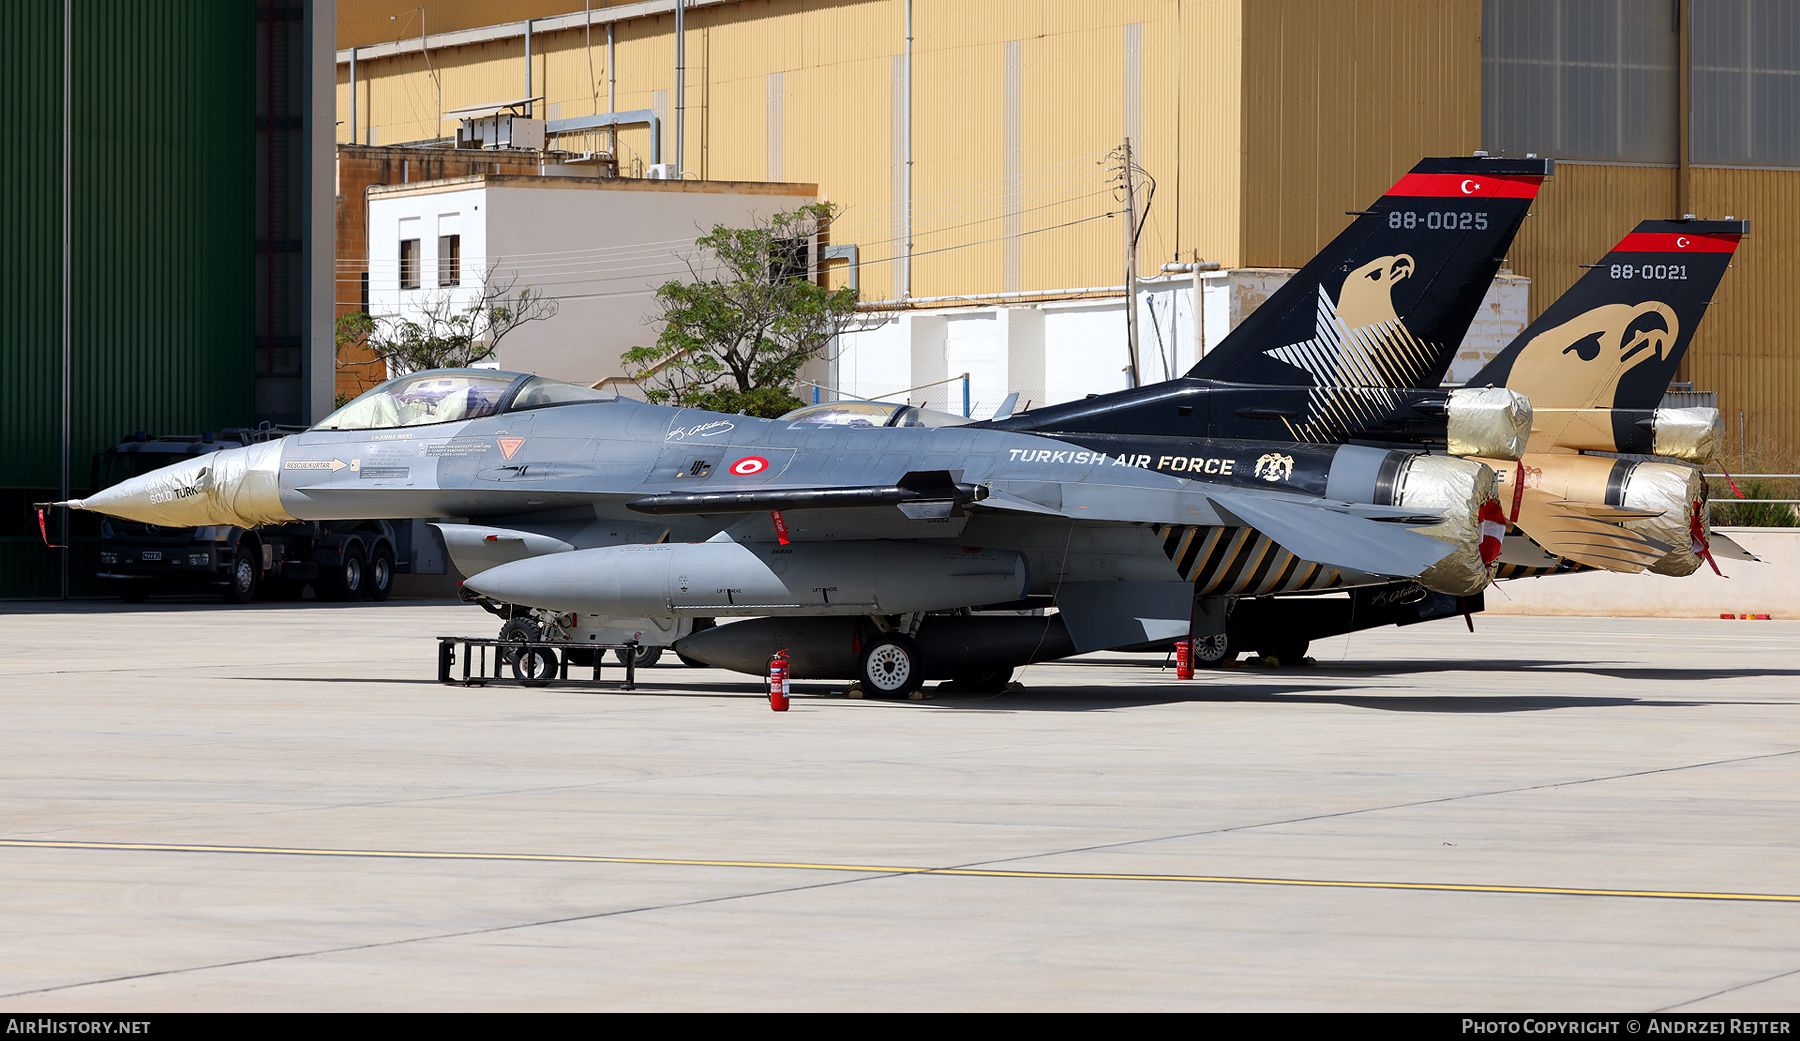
474	657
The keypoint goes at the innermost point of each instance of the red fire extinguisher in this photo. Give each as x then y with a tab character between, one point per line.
1184	659
778	681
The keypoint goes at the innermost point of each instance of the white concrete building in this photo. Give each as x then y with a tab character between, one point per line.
601	247
1055	350
598	247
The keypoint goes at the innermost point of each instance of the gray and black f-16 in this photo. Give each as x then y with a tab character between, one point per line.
640	517
610	516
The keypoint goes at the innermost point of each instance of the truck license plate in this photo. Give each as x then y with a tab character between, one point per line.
153	554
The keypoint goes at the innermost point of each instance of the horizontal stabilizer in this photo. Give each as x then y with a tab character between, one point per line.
1567	533
1722	546
1327	537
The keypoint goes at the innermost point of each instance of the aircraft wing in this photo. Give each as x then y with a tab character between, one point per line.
1565	532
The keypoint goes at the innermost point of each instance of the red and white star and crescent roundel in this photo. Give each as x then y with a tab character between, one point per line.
749	465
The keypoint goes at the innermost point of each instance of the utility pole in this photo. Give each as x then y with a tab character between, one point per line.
680	82
1131	316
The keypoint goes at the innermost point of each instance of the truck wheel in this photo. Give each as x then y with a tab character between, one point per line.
535	666
134	592
891	666
381	573
344	581
1212	652
240	584
646	656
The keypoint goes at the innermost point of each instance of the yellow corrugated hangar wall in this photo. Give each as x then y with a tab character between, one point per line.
1260	121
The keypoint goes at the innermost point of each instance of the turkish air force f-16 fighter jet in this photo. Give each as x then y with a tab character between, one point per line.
610	516
633	516
1595	365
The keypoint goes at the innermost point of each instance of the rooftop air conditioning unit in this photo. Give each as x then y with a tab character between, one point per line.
664	172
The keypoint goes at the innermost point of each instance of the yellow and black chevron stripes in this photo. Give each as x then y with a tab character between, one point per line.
1240	562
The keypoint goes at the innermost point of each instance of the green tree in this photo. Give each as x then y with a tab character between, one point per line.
441	333
736	333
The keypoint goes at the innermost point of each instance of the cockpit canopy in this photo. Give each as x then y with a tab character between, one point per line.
452	395
871	414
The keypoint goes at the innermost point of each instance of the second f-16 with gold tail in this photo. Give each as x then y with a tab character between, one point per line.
1595	365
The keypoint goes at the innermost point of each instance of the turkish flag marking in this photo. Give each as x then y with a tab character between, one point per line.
1487	186
1673	242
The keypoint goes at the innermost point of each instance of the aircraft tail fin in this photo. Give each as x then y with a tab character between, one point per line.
1614	340
1388	301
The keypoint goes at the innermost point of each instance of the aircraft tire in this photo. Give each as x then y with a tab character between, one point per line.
646	656
1213	652
535	666
891	666
518	630
381	573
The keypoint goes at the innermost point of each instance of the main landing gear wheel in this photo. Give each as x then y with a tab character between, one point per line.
1212	652
891	666
646	656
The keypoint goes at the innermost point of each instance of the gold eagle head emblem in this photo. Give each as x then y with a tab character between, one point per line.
1579	363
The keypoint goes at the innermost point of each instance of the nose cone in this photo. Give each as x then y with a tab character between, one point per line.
235	486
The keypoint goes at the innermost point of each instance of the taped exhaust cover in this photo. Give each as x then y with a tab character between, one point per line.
1672	491
1692	434
1457	488
1489	421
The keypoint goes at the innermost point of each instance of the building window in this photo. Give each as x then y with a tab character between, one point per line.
409	263
1580	79
449	260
